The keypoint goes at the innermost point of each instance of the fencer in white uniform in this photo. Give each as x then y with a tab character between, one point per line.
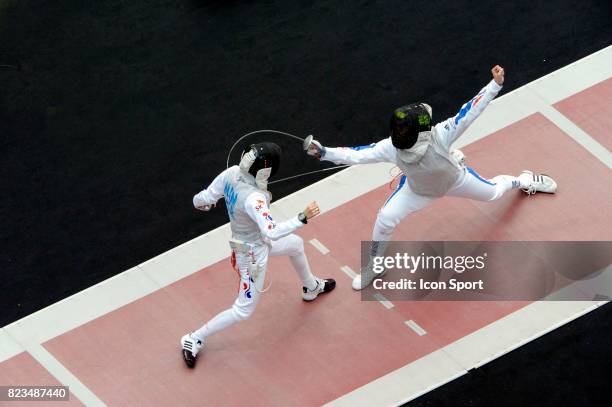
429	168
255	236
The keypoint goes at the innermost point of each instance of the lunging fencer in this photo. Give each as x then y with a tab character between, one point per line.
429	168
255	236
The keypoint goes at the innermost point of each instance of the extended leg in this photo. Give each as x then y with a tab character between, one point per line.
471	185
246	301
399	204
243	307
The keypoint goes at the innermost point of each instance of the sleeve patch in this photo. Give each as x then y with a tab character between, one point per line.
270	219
260	205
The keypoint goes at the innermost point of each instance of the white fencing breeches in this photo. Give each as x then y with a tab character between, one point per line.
403	201
249	291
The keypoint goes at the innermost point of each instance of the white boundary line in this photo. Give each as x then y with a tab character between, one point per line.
319	246
385	302
54	367
472	351
579	135
331	192
349	272
59	371
415	327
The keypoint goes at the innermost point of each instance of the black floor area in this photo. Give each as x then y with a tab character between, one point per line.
568	367
113	114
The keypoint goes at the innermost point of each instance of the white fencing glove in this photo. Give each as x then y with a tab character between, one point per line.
205	208
314	148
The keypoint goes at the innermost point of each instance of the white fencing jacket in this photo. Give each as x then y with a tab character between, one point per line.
247	206
429	167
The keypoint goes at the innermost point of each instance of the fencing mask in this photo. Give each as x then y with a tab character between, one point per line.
262	161
407	122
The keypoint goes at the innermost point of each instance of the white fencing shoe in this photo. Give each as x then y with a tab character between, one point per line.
538	183
323	286
191	346
365	278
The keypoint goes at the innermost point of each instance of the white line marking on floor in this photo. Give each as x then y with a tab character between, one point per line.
385	302
61	373
415	327
9	347
348	271
319	246
579	135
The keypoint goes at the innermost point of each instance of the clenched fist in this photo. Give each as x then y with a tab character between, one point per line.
205	208
315	149
498	74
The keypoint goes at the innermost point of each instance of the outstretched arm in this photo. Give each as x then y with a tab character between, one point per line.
207	198
257	208
449	130
373	153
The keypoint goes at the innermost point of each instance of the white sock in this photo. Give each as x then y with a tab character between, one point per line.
525	179
301	266
221	321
